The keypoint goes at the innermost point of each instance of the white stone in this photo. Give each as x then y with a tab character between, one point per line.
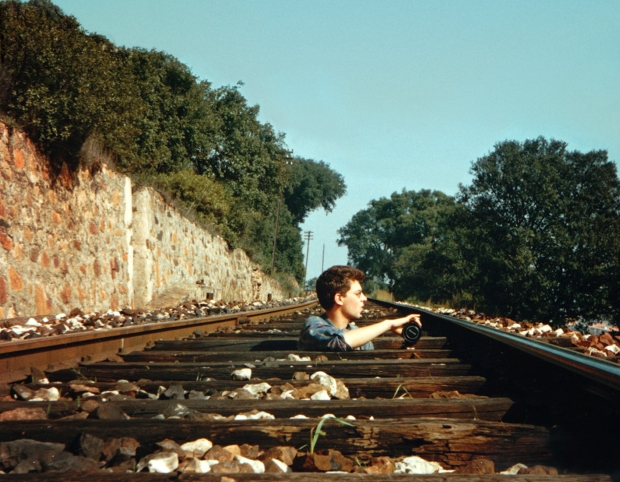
197	448
46	395
287	395
326	380
558	332
257	466
294	357
417	465
33	322
613	348
514	469
163	463
19	330
545	329
242	374
255	416
197	466
321	395
257	388
281	465
299	417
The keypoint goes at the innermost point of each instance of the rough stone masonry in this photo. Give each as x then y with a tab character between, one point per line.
99	243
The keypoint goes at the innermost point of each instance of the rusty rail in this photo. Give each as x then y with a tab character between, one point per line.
596	369
17	358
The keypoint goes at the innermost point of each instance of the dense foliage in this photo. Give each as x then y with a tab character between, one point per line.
202	146
535	236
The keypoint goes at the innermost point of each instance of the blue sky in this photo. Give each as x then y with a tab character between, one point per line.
393	94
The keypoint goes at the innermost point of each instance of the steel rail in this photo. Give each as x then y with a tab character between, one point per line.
599	370
17	358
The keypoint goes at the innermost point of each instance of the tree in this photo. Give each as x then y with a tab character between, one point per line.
544	231
378	237
311	185
64	86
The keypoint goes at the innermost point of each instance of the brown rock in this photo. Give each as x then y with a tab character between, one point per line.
78	388
381	465
477	466
3	290
90	405
76	416
332	460
284	454
272	467
250	451
6	241
301	376
107	411
218	453
241	394
171	446
15	280
119	450
232	467
606	339
307	391
342	392
304	463
539	470
451	394
24	413
91	446
233	449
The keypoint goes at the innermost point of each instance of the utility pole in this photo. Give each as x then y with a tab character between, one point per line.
323	259
309	236
275	237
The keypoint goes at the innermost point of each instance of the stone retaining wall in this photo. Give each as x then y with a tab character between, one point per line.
94	243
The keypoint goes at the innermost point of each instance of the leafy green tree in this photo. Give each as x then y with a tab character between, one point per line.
311	185
162	126
64	86
544	231
248	155
177	130
378	237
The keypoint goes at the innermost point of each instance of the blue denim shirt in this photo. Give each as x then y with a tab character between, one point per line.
320	334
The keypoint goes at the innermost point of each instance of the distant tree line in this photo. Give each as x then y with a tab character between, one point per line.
162	126
536	236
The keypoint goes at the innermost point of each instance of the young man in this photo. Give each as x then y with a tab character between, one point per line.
340	293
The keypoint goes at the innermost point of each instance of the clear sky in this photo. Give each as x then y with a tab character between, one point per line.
393	94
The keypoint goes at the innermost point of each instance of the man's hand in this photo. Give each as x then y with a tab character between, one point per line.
398	323
363	335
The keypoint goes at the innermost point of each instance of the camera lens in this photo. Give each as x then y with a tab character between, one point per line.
411	333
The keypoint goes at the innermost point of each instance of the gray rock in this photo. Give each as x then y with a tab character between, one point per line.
174	392
91	446
108	411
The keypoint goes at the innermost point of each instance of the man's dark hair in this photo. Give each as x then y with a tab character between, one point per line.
336	279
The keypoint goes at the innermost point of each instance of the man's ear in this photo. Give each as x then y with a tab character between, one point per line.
338	299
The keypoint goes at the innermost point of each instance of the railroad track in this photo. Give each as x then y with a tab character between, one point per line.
469	400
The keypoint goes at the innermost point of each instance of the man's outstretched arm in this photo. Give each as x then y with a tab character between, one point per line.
361	336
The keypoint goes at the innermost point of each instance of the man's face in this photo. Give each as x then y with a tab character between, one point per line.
353	301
